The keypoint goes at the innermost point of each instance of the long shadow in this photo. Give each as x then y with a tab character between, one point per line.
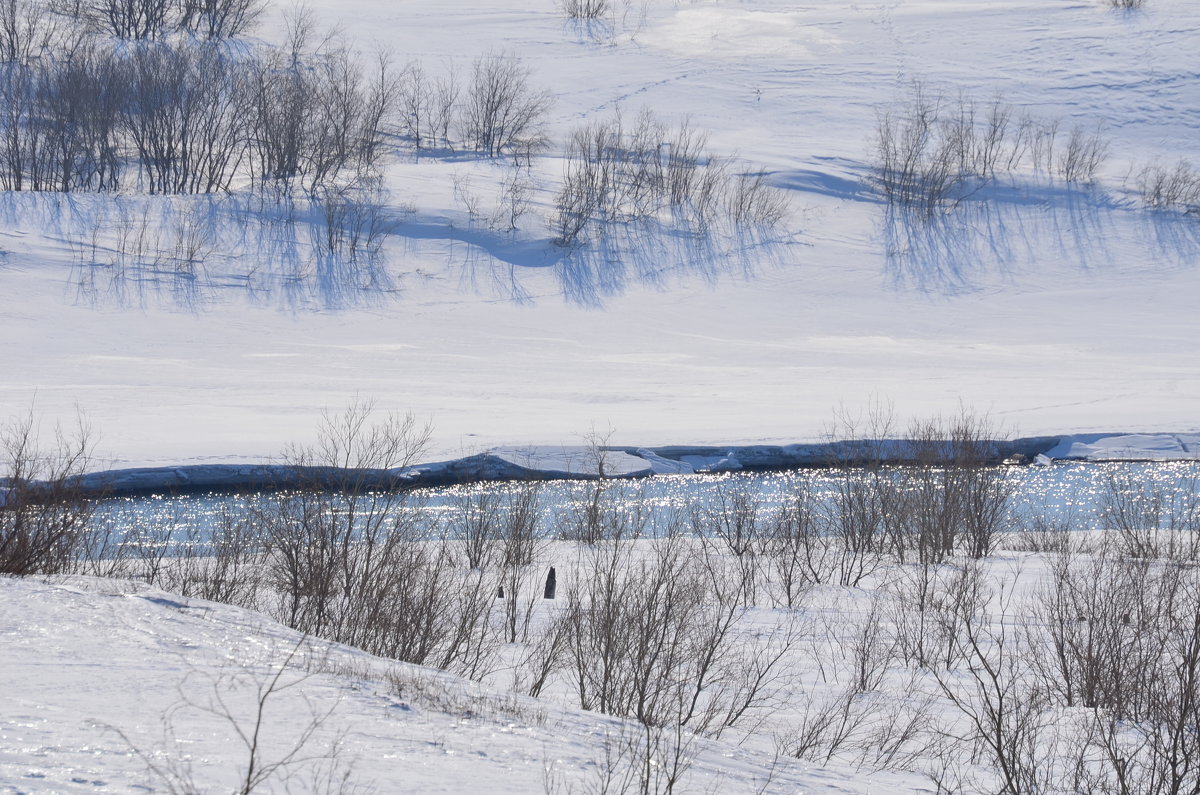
649	254
193	251
996	237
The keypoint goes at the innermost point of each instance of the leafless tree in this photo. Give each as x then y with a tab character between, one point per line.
331	540
219	19
28	30
1175	188
427	105
185	115
1083	154
502	110
585	9
1004	714
132	19
44	512
1152	519
618	173
659	639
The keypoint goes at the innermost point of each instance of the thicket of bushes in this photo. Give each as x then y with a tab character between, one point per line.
697	621
616	173
171	112
933	151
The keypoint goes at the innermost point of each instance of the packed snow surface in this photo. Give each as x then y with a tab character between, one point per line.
1054	308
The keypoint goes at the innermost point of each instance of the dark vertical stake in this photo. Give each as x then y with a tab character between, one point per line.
551	585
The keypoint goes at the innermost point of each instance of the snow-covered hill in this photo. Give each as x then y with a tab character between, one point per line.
113	686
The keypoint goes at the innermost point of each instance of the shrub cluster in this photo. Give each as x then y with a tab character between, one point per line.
933	151
1170	188
183	115
695	621
615	173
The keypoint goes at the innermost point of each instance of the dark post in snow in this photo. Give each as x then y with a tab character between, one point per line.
551	584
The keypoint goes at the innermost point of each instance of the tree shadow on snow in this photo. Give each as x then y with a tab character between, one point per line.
982	243
645	254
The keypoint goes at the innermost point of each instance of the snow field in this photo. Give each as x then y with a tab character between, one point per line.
1057	309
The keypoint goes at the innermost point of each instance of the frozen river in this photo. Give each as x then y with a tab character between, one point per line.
1075	490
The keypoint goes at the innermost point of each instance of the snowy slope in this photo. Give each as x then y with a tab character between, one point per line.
1057	310
104	680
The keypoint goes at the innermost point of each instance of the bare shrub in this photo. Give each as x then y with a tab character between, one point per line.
933	152
220	563
1040	530
516	193
1157	751
1152	519
829	724
949	493
1082	155
734	513
244	701
796	555
1105	618
543	657
102	550
912	166
353	223
585	9
619	173
1042	141
659	639
502	111
352	561
856	519
1121	643
475	522
44	513
954	495
871	648
1127	5
220	19
499	529
1176	188
1003	713
930	602
634	758
610	508
132	19
751	201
